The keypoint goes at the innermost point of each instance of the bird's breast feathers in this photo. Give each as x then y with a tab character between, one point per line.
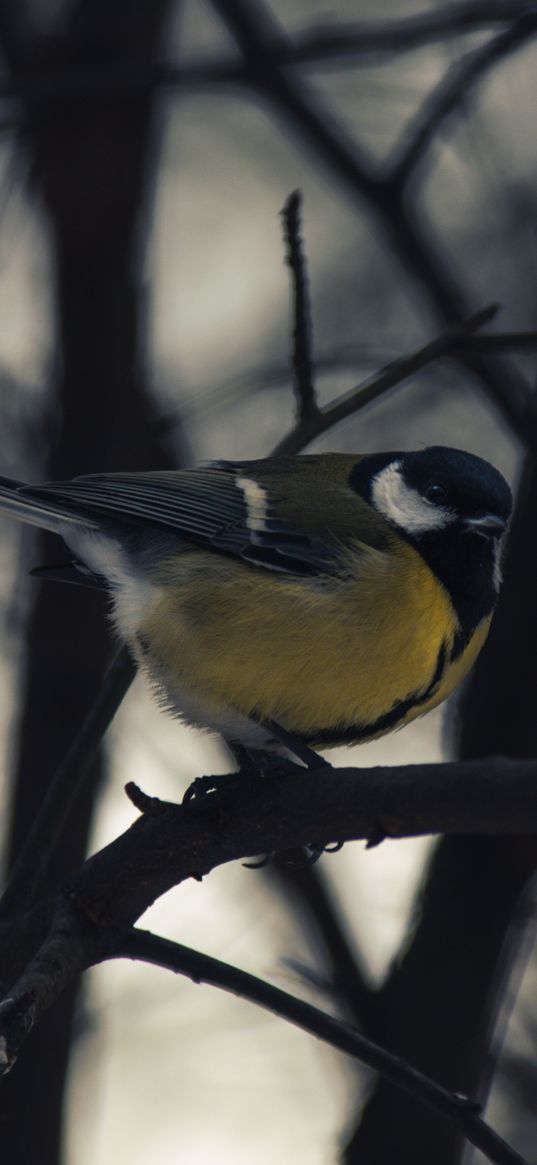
345	659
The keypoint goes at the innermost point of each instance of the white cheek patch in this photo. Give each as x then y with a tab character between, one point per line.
256	502
404	506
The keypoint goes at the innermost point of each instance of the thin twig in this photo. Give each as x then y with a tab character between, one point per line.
31	866
501	342
354	40
374	387
317	44
454	88
260	37
344	357
75	943
302	331
458	1110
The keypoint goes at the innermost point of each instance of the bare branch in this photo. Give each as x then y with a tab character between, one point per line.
265	48
396	36
163	848
71	945
390	377
501	342
74	944
319	44
260	38
302	338
170	843
344	357
31	868
455	88
460	1111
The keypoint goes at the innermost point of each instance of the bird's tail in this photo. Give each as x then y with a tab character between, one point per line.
16	500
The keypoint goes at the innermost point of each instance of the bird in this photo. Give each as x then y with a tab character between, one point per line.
325	598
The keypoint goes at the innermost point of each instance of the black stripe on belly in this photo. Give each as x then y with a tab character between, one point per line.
353	734
460	642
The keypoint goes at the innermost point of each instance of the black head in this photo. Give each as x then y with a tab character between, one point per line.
434	490
454	508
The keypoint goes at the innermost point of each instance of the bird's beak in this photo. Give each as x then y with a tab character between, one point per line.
488	525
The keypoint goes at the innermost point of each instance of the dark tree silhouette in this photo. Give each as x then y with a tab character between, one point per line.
86	96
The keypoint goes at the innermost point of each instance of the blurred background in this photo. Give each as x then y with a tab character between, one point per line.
146	151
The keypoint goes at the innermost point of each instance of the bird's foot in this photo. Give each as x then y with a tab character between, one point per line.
266	762
254	765
309	854
306	855
378	834
201	790
261	863
294	744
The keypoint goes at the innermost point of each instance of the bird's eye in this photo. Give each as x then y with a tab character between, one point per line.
436	493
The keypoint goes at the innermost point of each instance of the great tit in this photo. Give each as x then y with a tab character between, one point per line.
337	596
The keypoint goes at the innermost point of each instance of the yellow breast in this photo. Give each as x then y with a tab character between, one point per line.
314	656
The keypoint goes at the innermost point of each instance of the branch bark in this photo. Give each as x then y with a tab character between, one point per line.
172	842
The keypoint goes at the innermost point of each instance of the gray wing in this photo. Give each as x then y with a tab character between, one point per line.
208	506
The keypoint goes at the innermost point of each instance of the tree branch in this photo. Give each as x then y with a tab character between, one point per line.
302	361
265	49
454	88
353	40
71	945
75	943
173	842
260	39
376	386
315	45
169	843
31	868
202	968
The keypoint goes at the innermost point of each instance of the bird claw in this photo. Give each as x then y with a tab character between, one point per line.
257	766
199	792
378	834
315	850
310	855
307	755
333	847
262	863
